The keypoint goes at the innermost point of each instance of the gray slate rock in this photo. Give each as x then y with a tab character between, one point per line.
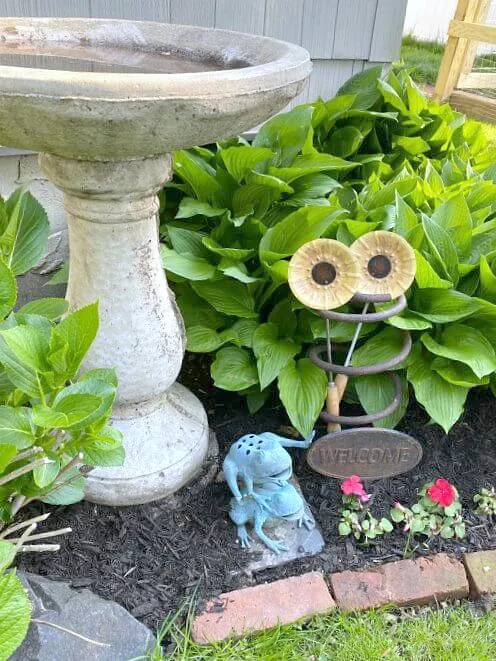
120	635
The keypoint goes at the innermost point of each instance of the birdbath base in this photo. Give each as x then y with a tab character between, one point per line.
114	259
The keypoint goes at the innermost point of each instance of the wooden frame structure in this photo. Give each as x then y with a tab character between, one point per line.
455	76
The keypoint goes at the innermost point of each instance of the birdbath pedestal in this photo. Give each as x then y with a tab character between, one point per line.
104	135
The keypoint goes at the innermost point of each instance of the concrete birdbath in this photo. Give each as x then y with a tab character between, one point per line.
105	102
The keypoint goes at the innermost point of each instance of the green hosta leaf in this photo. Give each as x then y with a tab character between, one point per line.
272	354
483	243
406	218
7	453
25	238
442	248
364	86
201	339
302	388
412	145
227	296
344	141
375	392
443	401
391	97
285	134
312	163
457	373
187	266
454	217
383	346
236	270
231	253
444	305
197	312
189	207
199	176
239	161
255	400
67	491
426	277
465	344
409	320
234	369
187	241
487	281
15	613
291	233
8	290
52	308
45	475
78	330
15	427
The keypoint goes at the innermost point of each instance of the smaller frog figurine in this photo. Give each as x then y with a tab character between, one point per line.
257	469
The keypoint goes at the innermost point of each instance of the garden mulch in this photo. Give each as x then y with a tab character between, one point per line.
151	557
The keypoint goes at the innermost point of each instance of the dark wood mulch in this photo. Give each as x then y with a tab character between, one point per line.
150	557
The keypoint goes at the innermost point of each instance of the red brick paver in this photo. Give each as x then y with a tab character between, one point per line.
403	583
262	606
481	572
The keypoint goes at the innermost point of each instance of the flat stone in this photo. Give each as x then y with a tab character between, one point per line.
112	633
403	583
300	542
481	571
262	607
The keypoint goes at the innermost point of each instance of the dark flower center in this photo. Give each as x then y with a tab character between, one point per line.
379	266
324	273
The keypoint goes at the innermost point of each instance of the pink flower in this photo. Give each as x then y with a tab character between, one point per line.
353	486
442	492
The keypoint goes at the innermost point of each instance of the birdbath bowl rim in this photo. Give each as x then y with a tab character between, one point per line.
252	77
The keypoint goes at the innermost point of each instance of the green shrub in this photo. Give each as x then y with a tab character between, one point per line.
52	422
377	156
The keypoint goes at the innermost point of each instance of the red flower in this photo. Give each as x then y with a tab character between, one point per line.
353	486
442	492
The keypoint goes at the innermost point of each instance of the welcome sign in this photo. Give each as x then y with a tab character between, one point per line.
371	453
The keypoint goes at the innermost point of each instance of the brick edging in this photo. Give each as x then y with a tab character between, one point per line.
417	581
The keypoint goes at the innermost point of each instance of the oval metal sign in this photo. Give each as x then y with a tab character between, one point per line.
371	453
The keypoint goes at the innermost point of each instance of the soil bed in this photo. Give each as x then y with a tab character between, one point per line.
150	557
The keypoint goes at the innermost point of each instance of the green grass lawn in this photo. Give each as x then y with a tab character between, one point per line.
444	634
422	58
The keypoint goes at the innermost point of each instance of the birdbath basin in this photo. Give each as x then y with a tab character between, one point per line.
105	102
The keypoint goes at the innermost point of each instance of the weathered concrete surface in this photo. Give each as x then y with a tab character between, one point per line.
107	116
116	635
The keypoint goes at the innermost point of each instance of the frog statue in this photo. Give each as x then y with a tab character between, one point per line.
257	469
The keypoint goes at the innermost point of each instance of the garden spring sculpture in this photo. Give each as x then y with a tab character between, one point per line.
257	469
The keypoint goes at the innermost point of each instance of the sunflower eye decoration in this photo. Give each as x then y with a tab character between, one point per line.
387	263
323	274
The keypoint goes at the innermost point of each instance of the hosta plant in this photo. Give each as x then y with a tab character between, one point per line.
378	156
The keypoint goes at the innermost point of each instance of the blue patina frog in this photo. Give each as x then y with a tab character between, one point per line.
257	469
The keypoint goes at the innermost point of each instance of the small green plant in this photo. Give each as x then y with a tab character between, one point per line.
356	519
53	422
437	513
485	500
15	608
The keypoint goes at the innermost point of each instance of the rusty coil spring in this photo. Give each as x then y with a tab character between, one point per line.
316	352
